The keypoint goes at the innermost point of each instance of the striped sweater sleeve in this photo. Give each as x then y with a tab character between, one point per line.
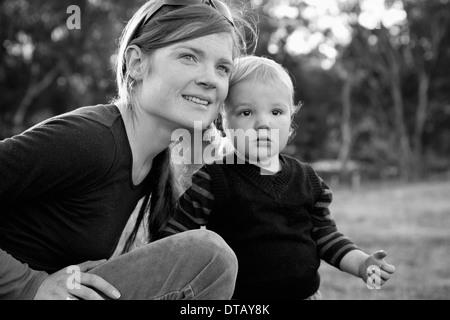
331	243
194	206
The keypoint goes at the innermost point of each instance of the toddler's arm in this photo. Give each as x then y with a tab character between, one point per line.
337	250
332	245
194	206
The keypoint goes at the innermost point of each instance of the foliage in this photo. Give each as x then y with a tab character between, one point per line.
46	68
377	101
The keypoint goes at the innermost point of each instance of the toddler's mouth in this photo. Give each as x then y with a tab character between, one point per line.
263	139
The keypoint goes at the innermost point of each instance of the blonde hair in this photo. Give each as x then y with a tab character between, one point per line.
266	70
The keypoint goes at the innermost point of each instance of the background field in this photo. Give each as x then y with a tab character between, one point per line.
409	221
412	223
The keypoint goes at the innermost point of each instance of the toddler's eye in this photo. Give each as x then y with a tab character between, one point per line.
277	112
246	113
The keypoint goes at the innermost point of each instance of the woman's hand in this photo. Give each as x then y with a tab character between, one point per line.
73	283
374	270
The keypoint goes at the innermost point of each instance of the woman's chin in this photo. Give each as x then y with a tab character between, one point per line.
191	125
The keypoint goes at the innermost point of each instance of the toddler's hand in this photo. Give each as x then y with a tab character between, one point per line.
375	260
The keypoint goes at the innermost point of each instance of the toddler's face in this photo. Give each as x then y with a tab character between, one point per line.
263	111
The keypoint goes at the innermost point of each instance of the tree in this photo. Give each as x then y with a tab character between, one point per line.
387	60
429	24
47	68
394	56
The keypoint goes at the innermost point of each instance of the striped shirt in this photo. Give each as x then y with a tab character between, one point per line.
203	201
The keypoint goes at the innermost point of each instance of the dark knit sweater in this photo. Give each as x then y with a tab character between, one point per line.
279	226
66	194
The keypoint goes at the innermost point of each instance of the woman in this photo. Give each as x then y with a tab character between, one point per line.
70	183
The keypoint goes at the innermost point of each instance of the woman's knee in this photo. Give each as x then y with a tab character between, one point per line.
218	263
198	259
211	247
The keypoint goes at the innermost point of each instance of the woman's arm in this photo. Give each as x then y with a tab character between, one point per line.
53	156
50	158
17	280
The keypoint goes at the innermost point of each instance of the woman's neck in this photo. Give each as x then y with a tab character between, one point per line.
147	137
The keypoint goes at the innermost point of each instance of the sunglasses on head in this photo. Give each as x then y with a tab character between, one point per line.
216	4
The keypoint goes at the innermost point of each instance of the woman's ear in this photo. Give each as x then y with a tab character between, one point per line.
135	62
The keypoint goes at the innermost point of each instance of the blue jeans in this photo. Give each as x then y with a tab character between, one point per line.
195	264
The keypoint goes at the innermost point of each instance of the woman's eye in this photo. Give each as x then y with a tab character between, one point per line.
188	57
224	69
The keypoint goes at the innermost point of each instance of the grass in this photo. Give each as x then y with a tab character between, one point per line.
410	222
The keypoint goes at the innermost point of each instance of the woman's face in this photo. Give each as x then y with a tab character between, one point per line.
188	81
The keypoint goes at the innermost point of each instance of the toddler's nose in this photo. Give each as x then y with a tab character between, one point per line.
262	122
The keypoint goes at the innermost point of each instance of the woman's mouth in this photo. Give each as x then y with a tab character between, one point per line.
197	100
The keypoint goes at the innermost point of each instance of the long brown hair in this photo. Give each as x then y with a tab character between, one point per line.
172	24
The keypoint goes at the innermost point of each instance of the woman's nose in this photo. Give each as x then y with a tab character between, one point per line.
207	78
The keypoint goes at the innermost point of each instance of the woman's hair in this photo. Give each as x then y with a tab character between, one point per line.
170	25
267	71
